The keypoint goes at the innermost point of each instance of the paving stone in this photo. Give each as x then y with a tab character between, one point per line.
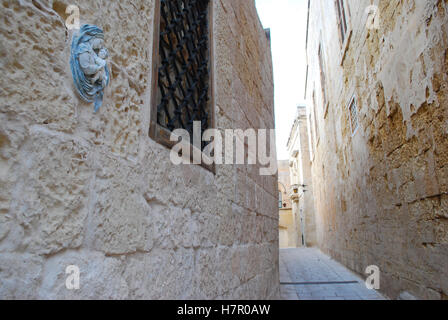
310	265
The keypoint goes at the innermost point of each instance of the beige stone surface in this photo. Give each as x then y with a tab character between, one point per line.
95	191
288	235
380	194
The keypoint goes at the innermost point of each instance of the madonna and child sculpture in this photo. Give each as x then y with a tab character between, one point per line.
88	62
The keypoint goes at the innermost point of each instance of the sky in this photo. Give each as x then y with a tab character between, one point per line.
287	21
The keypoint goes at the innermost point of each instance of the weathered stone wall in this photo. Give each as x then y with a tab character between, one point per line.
93	190
382	194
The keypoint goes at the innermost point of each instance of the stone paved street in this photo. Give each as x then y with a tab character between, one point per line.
318	277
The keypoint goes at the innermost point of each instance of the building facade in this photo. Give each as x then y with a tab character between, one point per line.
301	193
377	87
98	190
287	223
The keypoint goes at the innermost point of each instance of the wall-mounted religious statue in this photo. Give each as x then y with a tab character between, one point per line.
88	62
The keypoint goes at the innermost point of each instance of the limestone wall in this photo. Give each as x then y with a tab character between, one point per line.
93	190
287	229
381	194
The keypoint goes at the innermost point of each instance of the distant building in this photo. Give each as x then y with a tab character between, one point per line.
287	224
301	193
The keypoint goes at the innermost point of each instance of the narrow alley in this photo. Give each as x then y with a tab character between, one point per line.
363	173
224	150
308	274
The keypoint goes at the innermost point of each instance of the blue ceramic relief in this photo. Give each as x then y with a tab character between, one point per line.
88	62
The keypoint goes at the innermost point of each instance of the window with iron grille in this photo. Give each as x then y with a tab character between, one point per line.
353	112
342	19
182	71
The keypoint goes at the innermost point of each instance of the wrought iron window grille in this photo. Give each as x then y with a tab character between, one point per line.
353	112
182	90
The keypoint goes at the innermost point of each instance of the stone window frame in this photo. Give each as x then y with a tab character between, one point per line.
353	103
342	19
345	39
158	133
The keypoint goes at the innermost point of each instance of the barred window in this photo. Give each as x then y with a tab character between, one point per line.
182	68
353	112
322	75
342	19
